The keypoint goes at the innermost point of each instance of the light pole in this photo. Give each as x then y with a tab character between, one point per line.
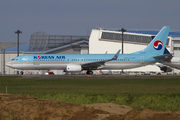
18	32
122	30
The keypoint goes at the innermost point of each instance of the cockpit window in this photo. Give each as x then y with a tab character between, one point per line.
14	60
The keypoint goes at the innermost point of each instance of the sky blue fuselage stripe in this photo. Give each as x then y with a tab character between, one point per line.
84	57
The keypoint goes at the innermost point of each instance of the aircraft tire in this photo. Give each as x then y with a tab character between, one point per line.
22	72
89	72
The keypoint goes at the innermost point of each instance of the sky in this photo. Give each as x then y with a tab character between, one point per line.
79	17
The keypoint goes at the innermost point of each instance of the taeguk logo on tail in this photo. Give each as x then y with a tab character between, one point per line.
158	45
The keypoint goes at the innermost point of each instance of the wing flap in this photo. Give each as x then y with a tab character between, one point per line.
93	65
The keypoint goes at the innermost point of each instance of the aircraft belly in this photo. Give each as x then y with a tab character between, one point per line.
124	65
62	65
40	66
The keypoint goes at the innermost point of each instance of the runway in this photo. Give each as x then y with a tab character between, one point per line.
98	76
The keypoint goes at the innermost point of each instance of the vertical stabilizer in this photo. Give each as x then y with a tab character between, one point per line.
158	44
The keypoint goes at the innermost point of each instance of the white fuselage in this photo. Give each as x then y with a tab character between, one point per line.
62	65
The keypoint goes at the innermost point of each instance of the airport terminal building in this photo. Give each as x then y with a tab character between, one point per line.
100	41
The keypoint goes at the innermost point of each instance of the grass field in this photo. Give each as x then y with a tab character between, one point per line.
151	92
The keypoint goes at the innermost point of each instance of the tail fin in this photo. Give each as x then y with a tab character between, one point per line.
158	44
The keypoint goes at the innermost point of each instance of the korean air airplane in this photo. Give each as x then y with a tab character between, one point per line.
153	53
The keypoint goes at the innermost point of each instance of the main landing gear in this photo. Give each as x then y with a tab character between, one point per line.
89	72
21	72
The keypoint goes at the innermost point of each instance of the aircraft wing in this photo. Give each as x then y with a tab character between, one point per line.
96	64
93	65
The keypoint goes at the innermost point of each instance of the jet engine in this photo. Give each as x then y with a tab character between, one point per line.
165	68
73	68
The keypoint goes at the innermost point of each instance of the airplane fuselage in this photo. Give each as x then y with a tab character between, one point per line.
60	61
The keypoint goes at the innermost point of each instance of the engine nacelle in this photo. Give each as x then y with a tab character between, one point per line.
166	69
73	68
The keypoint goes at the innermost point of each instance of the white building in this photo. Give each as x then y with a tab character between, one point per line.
175	46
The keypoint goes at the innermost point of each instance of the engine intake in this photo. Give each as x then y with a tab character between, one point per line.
166	69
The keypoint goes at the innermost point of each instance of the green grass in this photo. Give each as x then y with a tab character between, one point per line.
90	85
156	93
158	102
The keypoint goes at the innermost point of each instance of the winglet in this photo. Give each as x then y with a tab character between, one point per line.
116	55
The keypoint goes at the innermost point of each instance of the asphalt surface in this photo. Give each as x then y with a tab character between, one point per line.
98	76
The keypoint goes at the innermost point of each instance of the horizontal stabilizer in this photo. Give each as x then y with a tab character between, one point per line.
166	57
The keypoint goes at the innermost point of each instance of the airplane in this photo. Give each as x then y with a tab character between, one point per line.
153	53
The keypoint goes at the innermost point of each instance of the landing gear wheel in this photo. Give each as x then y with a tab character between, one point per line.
89	72
22	73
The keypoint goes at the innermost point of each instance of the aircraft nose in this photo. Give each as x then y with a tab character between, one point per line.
8	64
